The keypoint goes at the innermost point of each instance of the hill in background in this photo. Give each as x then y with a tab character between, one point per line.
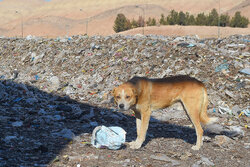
62	17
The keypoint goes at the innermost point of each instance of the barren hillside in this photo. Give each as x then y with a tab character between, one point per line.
201	31
63	17
243	7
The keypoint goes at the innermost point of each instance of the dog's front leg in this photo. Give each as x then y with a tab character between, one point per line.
138	126
138	121
142	127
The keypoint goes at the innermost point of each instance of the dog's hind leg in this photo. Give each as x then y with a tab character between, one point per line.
192	107
203	112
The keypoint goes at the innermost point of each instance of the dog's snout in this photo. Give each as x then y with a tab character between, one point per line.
121	106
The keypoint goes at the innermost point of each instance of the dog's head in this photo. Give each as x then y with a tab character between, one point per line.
125	96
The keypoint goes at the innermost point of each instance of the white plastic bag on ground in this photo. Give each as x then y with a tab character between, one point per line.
111	137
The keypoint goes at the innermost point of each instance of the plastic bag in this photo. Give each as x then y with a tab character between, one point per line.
111	137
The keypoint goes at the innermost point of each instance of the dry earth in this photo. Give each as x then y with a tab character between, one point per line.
63	17
201	31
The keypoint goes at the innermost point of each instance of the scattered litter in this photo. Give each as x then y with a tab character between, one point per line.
94	124
246	112
17	123
207	161
221	67
225	110
235	45
18	99
55	89
230	94
188	45
65	133
223	140
36	77
163	157
215	129
245	71
238	130
7	139
246	40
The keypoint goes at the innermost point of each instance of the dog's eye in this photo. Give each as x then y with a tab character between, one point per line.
127	97
118	97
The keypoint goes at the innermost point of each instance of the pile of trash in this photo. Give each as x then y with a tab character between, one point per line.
53	90
88	68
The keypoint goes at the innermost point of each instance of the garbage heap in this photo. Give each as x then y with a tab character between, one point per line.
87	68
53	91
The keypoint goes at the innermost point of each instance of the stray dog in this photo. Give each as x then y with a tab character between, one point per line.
144	95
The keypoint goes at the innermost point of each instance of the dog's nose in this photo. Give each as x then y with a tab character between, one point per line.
121	106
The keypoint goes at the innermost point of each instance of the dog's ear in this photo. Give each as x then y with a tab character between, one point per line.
135	91
113	91
113	94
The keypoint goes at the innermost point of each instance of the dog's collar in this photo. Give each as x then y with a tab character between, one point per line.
133	108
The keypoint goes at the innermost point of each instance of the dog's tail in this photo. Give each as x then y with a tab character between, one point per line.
203	112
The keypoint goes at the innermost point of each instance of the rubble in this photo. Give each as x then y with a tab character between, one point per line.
223	141
55	90
204	161
162	157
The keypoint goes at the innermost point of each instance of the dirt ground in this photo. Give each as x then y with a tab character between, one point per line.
167	144
200	31
172	140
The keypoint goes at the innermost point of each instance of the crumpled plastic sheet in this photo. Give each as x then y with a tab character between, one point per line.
245	71
111	137
246	112
224	110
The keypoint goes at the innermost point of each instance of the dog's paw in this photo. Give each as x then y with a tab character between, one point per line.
195	147
135	145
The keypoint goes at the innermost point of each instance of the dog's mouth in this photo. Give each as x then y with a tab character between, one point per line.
119	109
123	107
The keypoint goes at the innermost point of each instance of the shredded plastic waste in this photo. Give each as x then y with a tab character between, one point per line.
246	112
245	71
222	67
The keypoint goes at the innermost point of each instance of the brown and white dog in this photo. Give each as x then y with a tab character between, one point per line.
144	95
